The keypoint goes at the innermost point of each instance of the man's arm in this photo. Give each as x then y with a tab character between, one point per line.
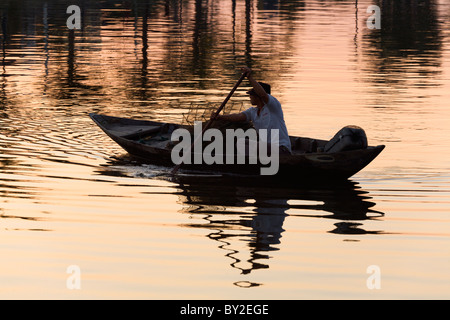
234	117
258	89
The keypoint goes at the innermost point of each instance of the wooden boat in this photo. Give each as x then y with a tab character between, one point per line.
150	142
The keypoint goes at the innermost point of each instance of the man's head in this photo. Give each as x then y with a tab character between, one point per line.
254	98
265	86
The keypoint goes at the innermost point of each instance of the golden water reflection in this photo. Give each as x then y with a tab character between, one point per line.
247	221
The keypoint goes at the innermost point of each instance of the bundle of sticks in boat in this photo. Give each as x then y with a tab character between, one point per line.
202	112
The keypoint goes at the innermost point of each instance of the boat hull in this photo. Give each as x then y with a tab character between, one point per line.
321	166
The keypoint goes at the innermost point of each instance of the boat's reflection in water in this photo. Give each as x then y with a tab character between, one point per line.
252	217
246	216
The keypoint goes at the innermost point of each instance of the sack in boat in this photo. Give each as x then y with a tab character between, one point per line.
348	138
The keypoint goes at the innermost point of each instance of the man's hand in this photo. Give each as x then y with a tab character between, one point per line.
247	71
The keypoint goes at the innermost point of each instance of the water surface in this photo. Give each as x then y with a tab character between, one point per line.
69	196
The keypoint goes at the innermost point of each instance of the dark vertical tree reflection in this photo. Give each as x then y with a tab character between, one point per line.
143	52
410	34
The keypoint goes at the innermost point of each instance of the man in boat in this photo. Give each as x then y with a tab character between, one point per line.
267	113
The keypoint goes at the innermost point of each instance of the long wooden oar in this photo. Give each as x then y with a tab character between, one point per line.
175	169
